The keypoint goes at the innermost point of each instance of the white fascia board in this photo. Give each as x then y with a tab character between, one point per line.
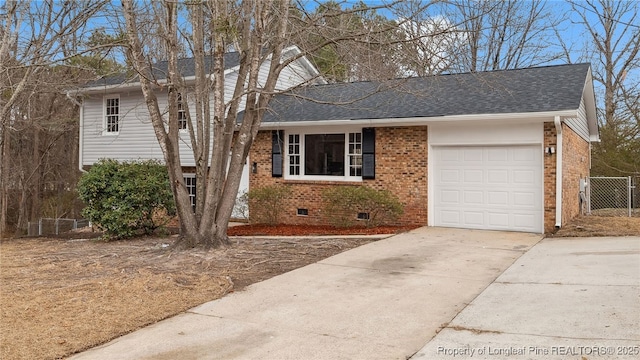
419	121
588	94
107	89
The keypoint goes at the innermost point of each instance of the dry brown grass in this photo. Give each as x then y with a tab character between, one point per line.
61	296
592	225
58	296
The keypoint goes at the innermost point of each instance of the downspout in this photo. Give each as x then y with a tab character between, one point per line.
80	128
558	123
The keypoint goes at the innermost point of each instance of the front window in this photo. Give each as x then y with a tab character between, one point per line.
294	154
112	114
325	155
355	154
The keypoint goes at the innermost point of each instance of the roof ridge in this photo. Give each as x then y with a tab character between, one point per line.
450	74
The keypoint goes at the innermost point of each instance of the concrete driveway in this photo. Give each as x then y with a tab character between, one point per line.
575	298
384	300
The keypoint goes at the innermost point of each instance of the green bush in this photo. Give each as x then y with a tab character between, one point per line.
266	203
342	204
123	198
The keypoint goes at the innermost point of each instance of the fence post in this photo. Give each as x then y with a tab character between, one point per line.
629	195
40	227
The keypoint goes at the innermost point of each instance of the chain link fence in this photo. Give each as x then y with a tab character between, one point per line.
612	196
49	226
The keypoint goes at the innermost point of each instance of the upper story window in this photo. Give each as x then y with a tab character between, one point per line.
182	112
112	114
328	156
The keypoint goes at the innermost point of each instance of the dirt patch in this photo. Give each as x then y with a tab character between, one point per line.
61	296
591	225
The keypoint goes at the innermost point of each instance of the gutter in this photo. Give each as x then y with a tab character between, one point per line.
80	129
558	123
420	121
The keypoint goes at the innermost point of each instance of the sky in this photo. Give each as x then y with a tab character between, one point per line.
570	29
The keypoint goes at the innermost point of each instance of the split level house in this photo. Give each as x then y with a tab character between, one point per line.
115	122
501	150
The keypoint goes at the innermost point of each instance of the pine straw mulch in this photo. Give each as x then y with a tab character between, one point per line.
312	230
61	296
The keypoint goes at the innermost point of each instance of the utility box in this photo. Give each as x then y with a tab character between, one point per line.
583	185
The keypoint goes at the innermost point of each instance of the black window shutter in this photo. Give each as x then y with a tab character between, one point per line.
368	153
277	144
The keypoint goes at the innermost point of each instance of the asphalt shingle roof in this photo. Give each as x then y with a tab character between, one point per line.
550	88
160	70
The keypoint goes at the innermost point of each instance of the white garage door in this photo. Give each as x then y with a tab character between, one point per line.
488	187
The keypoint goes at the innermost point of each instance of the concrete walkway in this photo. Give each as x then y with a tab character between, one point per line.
575	298
384	300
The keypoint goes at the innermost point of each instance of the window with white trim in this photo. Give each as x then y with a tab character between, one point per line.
182	113
328	156
355	154
294	154
112	114
190	183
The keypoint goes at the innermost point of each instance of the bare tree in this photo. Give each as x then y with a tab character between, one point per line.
613	32
260	31
500	35
436	42
33	37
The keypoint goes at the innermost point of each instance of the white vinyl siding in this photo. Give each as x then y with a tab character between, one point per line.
579	124
291	76
135	138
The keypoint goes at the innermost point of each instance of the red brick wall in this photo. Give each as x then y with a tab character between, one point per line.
575	165
550	140
401	167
